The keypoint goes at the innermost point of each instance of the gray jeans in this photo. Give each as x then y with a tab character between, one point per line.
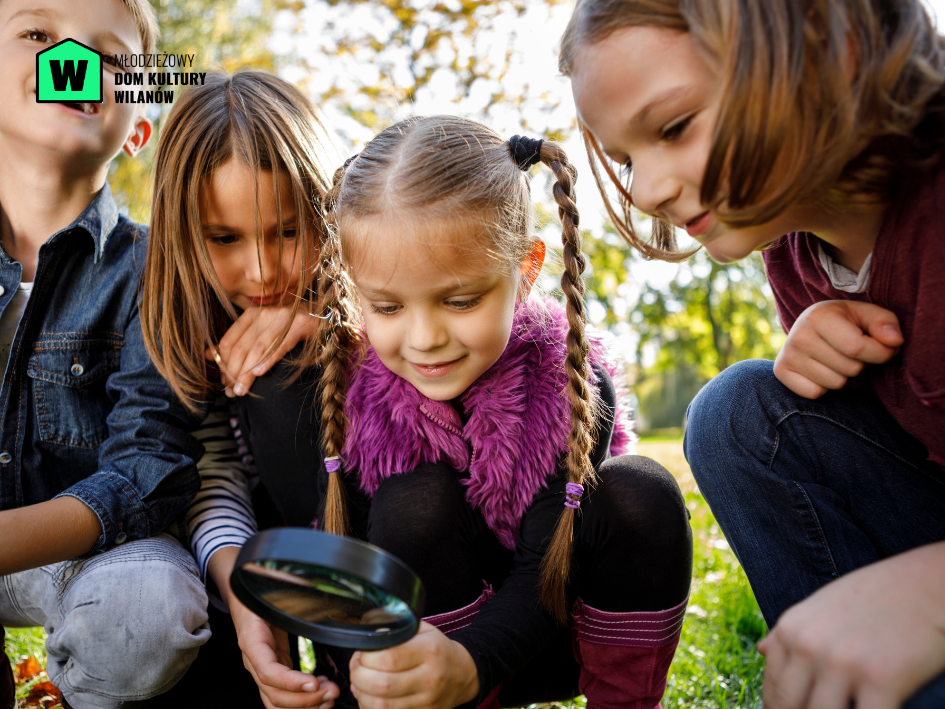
122	626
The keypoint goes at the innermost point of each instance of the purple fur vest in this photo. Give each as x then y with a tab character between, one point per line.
517	427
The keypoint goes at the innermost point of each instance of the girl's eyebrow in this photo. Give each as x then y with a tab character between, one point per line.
479	283
667	96
290	222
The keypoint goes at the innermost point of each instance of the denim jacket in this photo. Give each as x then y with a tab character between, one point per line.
83	411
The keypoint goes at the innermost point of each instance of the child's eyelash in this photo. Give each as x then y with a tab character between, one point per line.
37	30
384	309
464	304
675	130
626	168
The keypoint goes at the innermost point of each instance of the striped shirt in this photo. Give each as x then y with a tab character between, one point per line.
221	514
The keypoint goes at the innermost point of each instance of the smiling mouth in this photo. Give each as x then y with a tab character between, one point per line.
89	109
436	370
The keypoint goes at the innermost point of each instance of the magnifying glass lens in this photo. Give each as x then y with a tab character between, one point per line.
331	589
315	594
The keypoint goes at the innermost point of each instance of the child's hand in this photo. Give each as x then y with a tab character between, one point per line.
832	341
870	638
266	656
243	346
429	671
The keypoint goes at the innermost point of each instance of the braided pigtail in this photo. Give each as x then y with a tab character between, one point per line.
556	565
338	340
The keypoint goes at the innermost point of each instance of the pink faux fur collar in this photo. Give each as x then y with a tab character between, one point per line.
517	424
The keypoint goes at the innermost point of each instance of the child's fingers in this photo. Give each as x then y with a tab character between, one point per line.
799	384
302	326
867	333
830	690
790	686
813	367
278	696
881	324
238	329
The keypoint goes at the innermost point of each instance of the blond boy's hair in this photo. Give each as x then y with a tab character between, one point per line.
145	22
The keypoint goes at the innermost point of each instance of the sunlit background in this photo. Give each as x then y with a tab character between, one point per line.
367	63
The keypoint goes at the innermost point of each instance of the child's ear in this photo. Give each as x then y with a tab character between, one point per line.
530	268
140	134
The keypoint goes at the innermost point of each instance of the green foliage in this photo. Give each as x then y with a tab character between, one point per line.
710	316
22	643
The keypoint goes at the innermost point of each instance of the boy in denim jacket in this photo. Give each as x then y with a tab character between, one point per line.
95	458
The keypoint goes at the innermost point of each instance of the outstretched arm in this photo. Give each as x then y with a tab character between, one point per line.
46	533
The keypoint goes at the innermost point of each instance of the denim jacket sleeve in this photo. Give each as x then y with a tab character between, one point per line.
147	473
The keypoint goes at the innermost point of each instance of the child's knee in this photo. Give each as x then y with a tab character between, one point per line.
130	623
730	412
418	508
638	496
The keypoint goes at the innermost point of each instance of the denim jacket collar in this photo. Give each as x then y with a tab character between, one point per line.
98	219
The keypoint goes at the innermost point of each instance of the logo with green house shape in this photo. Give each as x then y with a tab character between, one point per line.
69	72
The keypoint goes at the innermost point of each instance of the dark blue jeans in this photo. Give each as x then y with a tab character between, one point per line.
808	490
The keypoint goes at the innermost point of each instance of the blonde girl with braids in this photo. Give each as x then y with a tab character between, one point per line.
486	428
228	289
813	130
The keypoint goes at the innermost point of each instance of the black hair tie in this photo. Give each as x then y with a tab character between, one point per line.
525	151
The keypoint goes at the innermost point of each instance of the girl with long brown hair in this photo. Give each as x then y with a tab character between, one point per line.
814	131
229	287
488	431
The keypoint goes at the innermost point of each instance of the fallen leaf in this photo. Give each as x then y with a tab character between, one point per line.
27	670
43	694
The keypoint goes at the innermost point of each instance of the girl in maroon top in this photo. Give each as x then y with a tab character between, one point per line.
814	131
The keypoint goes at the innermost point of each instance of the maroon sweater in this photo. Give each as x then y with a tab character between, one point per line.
907	276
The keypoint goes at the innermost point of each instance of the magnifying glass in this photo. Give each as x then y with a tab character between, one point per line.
330	589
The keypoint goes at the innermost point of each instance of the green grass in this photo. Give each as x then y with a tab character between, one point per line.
22	643
716	664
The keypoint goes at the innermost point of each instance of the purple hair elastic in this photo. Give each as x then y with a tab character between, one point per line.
573	491
332	464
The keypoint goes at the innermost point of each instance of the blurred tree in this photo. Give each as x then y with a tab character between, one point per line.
222	34
386	56
708	317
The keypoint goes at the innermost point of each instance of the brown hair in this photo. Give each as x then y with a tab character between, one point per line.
823	102
443	166
271	127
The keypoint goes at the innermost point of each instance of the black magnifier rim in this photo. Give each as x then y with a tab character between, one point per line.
343	554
